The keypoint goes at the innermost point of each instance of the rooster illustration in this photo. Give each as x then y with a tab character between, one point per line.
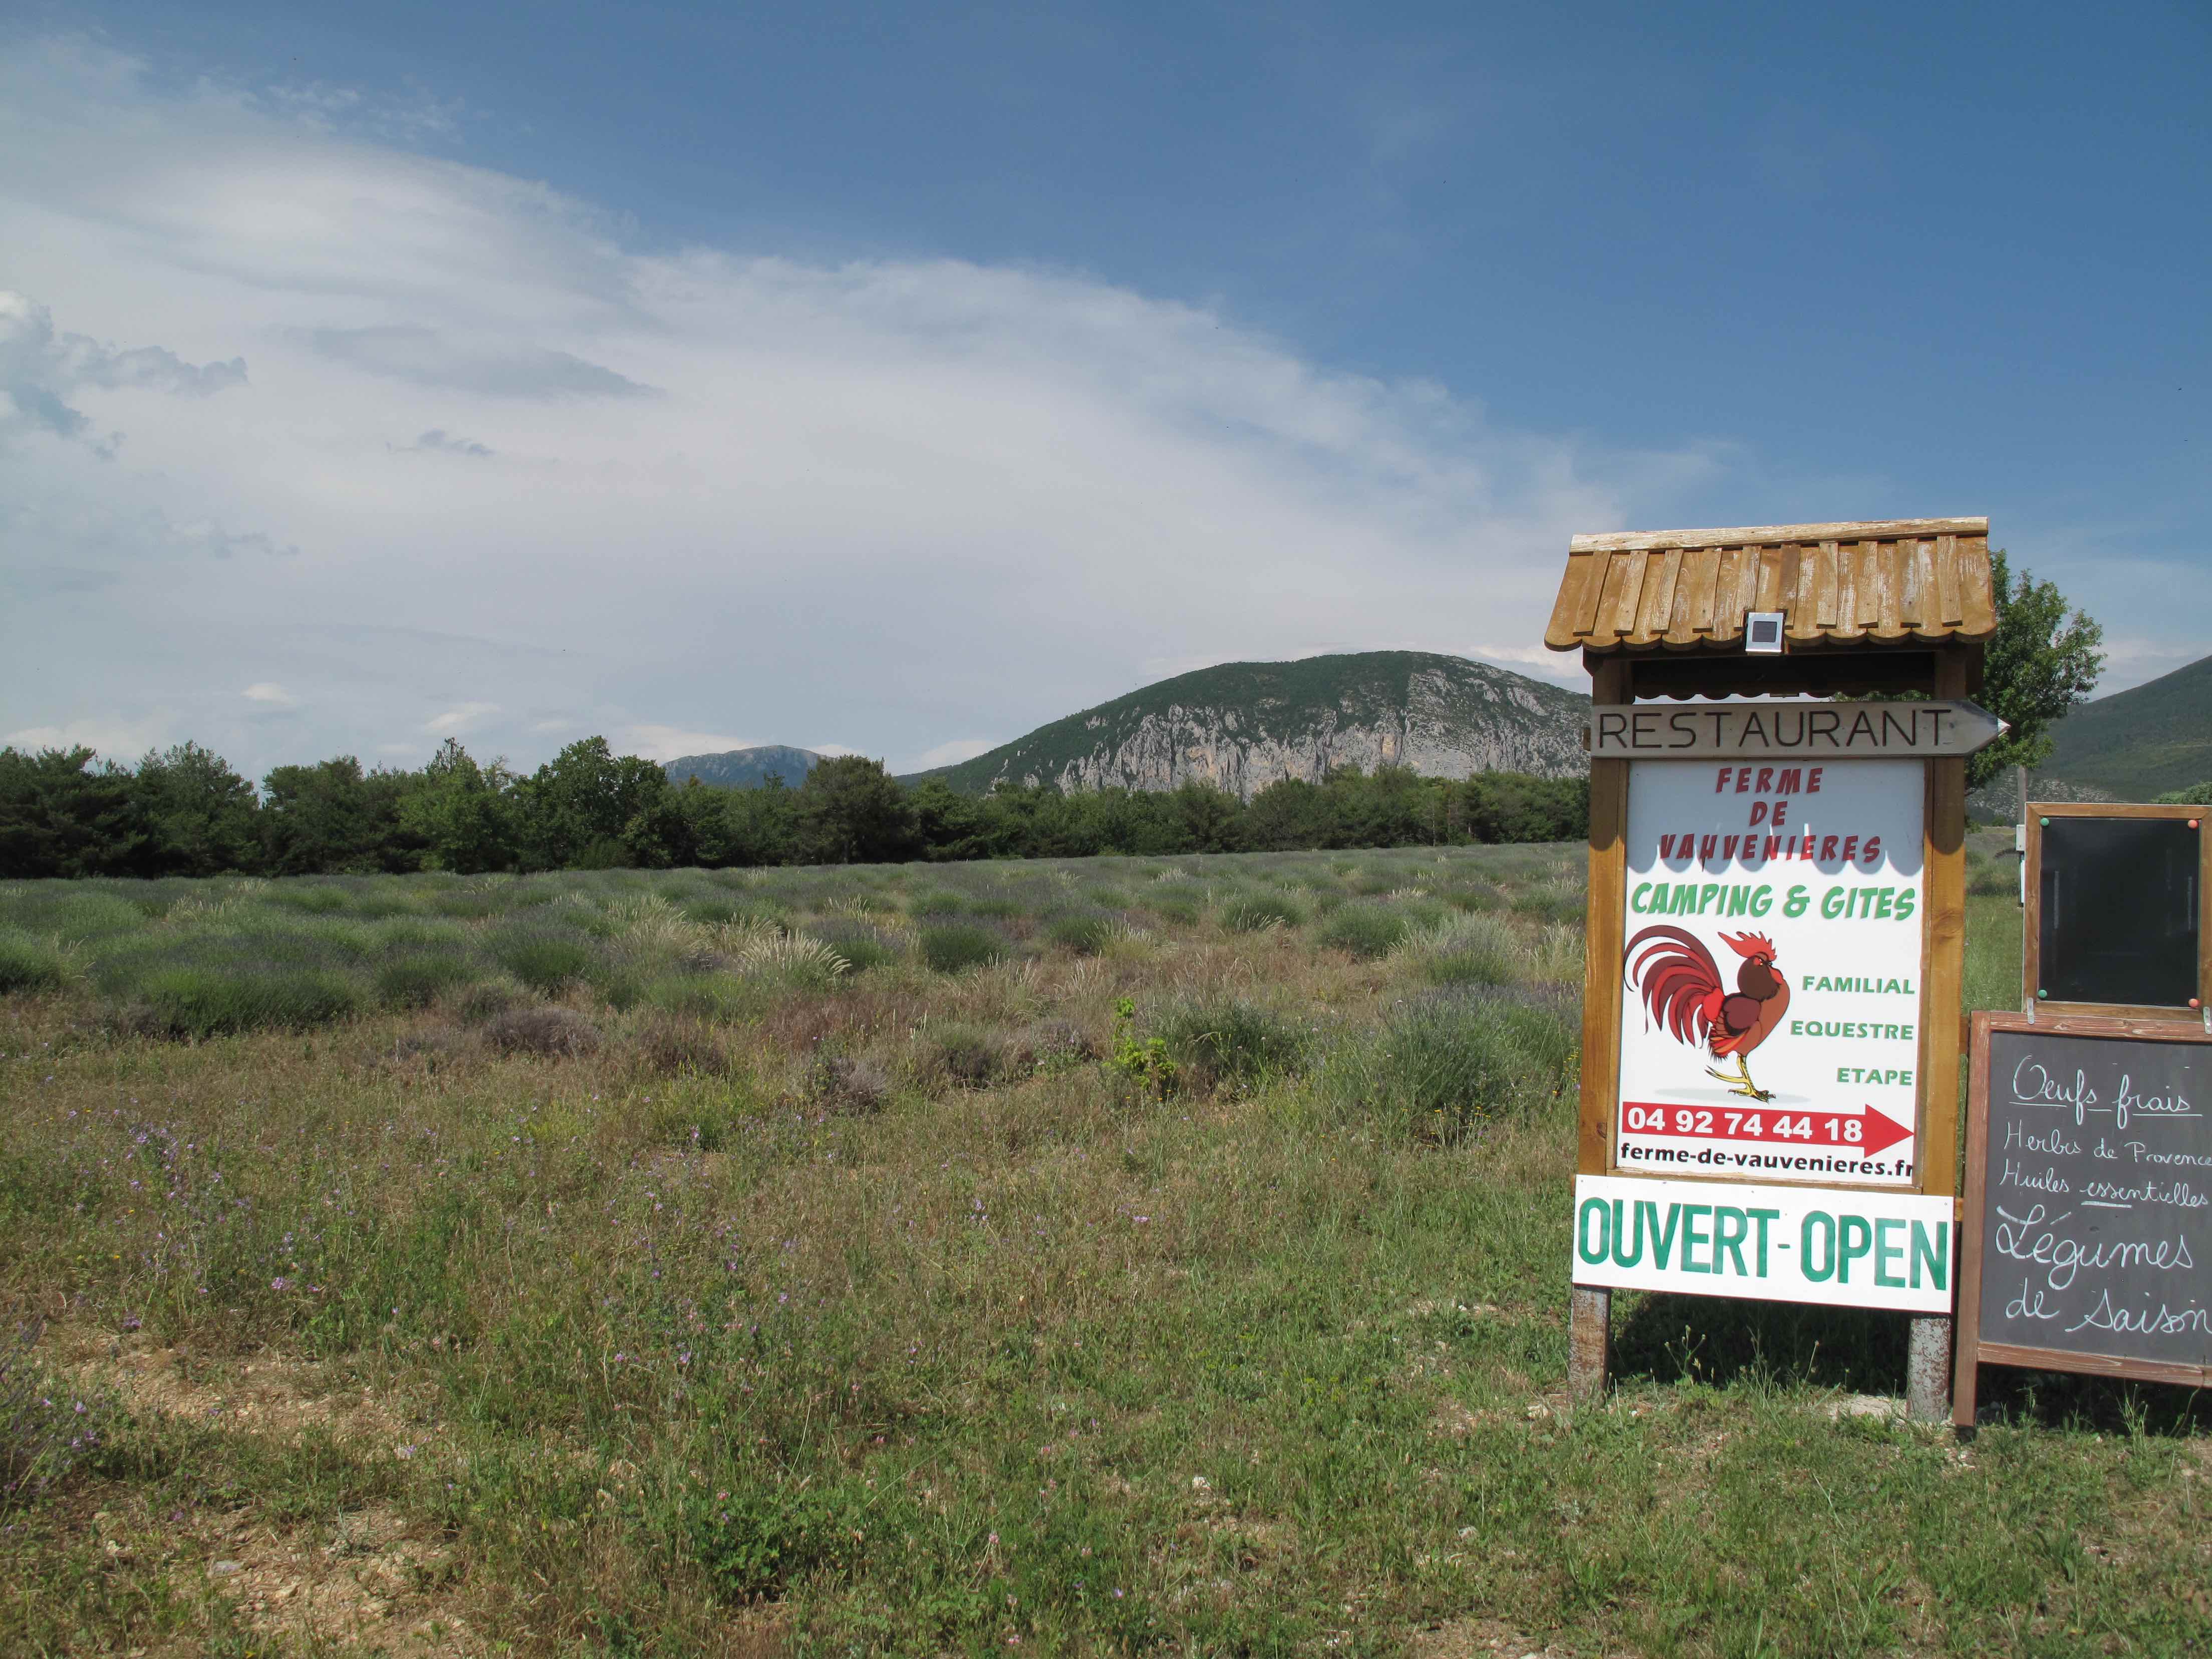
1680	985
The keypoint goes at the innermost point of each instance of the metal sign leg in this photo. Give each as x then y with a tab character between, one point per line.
1927	1369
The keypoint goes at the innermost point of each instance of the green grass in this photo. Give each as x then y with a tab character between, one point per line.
873	1312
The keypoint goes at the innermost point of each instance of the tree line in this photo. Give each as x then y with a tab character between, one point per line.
183	812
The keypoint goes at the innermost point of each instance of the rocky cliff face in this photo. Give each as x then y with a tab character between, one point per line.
1245	726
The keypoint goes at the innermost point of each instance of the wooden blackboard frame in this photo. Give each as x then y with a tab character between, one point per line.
2031	963
1973	1352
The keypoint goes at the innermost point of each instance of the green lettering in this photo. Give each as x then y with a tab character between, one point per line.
1854	1244
1935	1252
1762	1217
1692	1237
1885	1252
1595	1254
1827	1270
1729	1226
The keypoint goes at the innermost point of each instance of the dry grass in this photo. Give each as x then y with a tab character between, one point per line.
772	1330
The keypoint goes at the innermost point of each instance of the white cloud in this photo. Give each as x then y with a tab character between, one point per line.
116	737
466	718
269	692
949	754
890	497
667	743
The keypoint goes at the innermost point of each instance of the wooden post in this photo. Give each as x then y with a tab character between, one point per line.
1590	1323
1928	1360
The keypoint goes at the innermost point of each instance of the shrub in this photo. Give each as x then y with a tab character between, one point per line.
546	963
543	1031
1367	931
970	1058
674	1047
706	996
488	1001
1446	1063
840	1083
417	982
1233	1042
316	900
29	965
1254	912
950	947
1050	1045
1084	932
1470	950
1474	895
862	944
794	960
1557	900
1181	907
203	1002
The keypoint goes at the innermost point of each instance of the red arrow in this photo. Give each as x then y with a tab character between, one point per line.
1871	1131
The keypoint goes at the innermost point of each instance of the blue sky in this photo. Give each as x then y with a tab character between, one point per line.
998	359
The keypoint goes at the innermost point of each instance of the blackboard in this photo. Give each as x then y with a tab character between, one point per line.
2118	912
2088	1212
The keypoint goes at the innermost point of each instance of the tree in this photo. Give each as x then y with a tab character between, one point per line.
576	807
332	818
2040	664
851	810
59	815
465	814
200	816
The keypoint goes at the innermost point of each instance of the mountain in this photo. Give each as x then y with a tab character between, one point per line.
2138	744
745	769
1246	725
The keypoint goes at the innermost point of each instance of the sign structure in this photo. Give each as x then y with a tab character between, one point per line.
2088	1225
1780	717
1771	970
2120	911
1861	1249
1807	732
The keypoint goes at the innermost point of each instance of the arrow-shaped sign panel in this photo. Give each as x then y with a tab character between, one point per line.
1778	730
1874	1131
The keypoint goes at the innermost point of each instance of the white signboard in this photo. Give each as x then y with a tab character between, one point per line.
1850	1249
1771	1013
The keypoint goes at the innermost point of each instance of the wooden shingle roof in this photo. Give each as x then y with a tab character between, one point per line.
1881	582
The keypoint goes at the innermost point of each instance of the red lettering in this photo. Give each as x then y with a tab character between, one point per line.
1759	810
1781	813
1791	780
1872	851
1827	848
1813	780
1765	780
1851	848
